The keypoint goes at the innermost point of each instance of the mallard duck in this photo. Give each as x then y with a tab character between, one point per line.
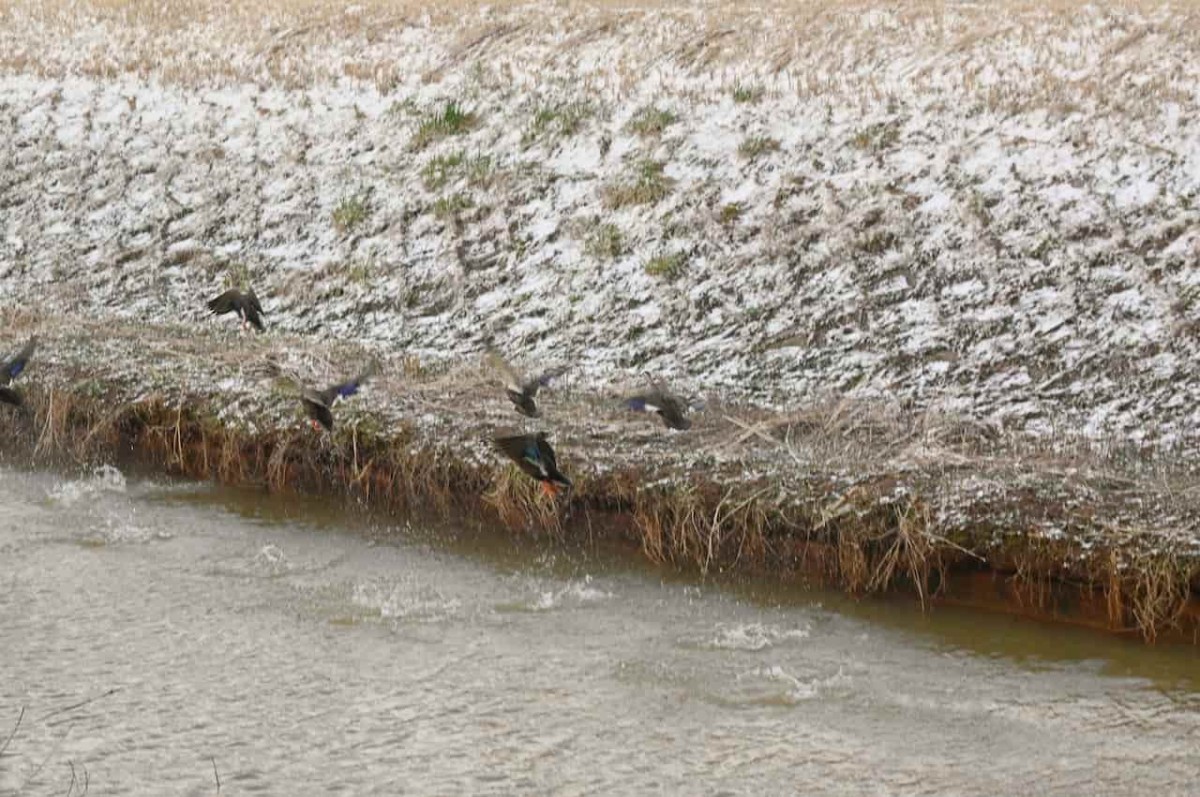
669	407
246	305
521	391
534	455
318	404
11	369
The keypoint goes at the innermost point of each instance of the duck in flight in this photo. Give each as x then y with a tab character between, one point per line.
534	455
246	305
318	404
521	390
668	406
12	368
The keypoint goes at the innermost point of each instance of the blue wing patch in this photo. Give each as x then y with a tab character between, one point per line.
532	454
15	369
347	390
636	404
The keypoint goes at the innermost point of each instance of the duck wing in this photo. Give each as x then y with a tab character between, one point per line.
349	387
252	302
546	454
227	302
316	406
525	450
530	387
252	311
511	377
13	368
649	401
670	408
672	411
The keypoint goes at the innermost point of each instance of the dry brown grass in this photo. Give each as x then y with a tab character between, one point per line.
877	545
814	49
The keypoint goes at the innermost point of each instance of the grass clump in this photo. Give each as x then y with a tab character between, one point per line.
480	170
668	265
447	207
878	241
730	213
558	120
441	169
651	121
756	146
646	185
747	93
876	137
360	271
452	120
350	212
605	242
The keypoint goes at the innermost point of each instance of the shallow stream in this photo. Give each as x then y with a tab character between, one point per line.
288	647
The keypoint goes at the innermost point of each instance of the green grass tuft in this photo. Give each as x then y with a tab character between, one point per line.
756	146
558	120
451	120
747	93
350	212
447	207
605	242
360	272
651	121
669	265
645	185
441	169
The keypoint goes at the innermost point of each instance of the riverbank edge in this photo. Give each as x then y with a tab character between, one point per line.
880	548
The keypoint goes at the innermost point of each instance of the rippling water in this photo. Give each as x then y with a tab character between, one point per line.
295	650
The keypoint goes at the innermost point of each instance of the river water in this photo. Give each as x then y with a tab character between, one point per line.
288	647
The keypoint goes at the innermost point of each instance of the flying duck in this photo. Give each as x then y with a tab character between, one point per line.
534	455
244	304
521	391
318	403
669	407
11	369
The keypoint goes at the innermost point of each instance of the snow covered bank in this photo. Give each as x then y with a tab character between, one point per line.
995	217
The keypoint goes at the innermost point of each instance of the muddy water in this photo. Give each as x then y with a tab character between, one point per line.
295	650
